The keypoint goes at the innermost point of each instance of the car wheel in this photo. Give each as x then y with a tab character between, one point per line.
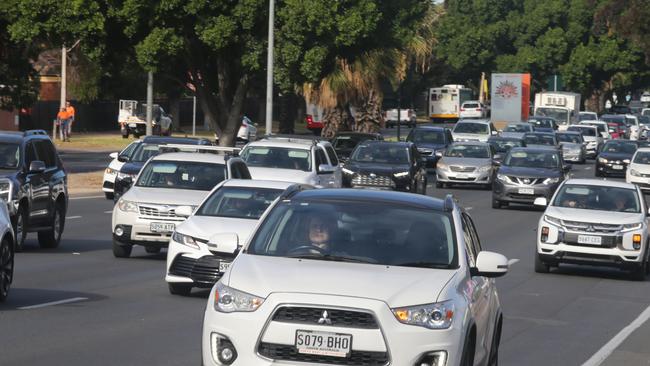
541	267
152	250
496	203
121	250
181	289
20	228
109	195
493	360
6	268
51	238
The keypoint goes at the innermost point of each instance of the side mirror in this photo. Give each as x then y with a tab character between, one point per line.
325	169
113	155
37	166
494	132
122	158
226	243
648	213
540	201
496	159
184	211
489	264
439	154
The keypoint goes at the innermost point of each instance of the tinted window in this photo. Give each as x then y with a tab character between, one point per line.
620	147
9	156
502	146
598	198
470	105
144	151
240	202
471	127
128	151
569	137
181	175
45	152
585	131
30	154
518	128
642	157
277	157
240	171
539	140
427	136
381	153
371	232
320	157
347	141
332	155
468	151
533	159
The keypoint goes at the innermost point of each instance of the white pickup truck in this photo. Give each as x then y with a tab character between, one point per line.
406	117
132	119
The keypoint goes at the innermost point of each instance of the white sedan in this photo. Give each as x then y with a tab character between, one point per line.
114	167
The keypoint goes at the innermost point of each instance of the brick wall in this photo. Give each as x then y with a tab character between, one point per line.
7	121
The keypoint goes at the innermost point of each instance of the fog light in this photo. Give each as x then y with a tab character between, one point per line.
119	231
433	359
223	351
226	355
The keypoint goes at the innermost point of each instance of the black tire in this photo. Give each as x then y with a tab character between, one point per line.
121	250
541	267
496	203
493	359
51	238
180	289
109	195
20	228
6	267
152	250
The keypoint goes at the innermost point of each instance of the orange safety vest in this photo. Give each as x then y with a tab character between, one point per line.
70	111
63	115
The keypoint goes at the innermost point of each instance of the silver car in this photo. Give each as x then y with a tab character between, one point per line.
466	163
573	146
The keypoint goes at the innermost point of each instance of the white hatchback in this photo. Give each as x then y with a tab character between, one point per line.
638	172
348	277
472	109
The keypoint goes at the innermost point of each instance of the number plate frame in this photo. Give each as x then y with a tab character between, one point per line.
162	227
529	191
590	239
323	350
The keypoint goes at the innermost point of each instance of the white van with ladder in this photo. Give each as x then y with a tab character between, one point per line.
445	102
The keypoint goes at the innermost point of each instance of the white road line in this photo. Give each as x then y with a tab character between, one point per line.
66	301
602	354
468	208
512	261
85	197
109	211
588	168
73	217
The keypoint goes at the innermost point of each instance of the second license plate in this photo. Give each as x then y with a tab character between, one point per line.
526	191
161	227
590	239
223	266
617	167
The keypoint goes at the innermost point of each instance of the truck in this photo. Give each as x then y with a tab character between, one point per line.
133	121
445	101
563	106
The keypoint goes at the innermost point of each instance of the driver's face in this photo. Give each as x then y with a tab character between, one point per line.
319	232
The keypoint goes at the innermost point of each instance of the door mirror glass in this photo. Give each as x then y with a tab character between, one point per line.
113	155
497	159
540	201
489	264
325	169
184	211
122	158
226	243
37	166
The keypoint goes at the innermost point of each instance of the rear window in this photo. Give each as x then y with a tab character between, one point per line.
470	105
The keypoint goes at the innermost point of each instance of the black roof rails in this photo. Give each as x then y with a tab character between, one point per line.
450	201
34	132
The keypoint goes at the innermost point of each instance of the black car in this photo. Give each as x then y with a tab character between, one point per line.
527	173
614	157
501	145
345	142
543	123
33	182
386	165
429	140
537	139
148	148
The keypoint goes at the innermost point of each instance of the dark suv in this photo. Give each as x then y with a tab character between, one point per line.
33	182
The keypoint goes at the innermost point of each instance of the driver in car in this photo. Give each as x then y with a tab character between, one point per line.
320	233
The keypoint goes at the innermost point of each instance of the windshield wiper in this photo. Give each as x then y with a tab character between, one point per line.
423	265
329	257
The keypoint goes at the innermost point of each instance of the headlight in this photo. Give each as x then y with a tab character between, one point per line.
484	169
109	171
552	220
442	166
229	300
626	161
6	188
185	240
401	174
630	227
127	206
124	175
602	160
347	171
634	173
504	178
433	316
551	180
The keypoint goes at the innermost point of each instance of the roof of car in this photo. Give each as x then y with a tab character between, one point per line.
541	117
585	124
643	149
256	183
281	143
540	133
383	142
508	138
536	148
567	132
362	195
483	121
192	157
18	136
354	133
600	182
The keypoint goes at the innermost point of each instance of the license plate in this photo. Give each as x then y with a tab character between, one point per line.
323	343
133	125
617	167
223	266
526	191
590	239
462	176
161	227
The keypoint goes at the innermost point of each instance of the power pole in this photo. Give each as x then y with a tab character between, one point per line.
399	110
149	102
269	70
64	64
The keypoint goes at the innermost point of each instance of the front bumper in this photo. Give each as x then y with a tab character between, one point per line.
198	267
475	177
109	182
257	338
642	182
617	168
514	193
573	156
137	229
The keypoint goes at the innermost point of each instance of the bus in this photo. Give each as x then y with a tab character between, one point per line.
445	102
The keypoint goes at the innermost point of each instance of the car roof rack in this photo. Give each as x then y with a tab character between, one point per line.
450	201
35	132
234	151
301	139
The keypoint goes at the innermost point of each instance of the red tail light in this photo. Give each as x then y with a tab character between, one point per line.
309	119
462	109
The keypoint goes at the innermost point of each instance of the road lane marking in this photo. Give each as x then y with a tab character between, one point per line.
602	354
73	217
65	301
468	208
85	197
512	261
109	211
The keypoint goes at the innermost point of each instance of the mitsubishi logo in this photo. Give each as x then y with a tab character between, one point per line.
590	229
325	318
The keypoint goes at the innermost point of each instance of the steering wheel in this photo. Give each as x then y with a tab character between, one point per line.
307	249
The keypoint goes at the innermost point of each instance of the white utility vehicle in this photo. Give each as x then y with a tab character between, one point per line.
133	121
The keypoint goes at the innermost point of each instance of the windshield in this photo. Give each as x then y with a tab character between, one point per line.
468	151
560	115
429	137
599	198
143	152
646	112
624	147
533	159
381	153
569	137
533	139
642	157
470	105
348	142
181	175
586	116
644	120
277	157
471	127
9	156
585	131
617	119
502	146
366	232
239	202
518	128
543	123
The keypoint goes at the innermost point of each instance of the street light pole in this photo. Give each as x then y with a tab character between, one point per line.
149	102
269	70
64	64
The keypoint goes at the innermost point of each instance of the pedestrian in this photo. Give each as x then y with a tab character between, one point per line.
70	109
62	119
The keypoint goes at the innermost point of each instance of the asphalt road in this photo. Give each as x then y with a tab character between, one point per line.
120	312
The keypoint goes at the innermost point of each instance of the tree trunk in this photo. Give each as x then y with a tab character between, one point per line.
287	113
335	120
175	109
369	116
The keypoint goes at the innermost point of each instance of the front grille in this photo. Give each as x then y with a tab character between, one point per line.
527	181
366	180
283	352
204	271
462	169
607	241
339	318
461	179
156	211
591	228
523	197
108	185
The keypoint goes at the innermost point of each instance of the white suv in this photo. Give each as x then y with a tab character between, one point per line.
294	159
473	130
114	168
235	205
594	222
348	277
472	109
146	214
